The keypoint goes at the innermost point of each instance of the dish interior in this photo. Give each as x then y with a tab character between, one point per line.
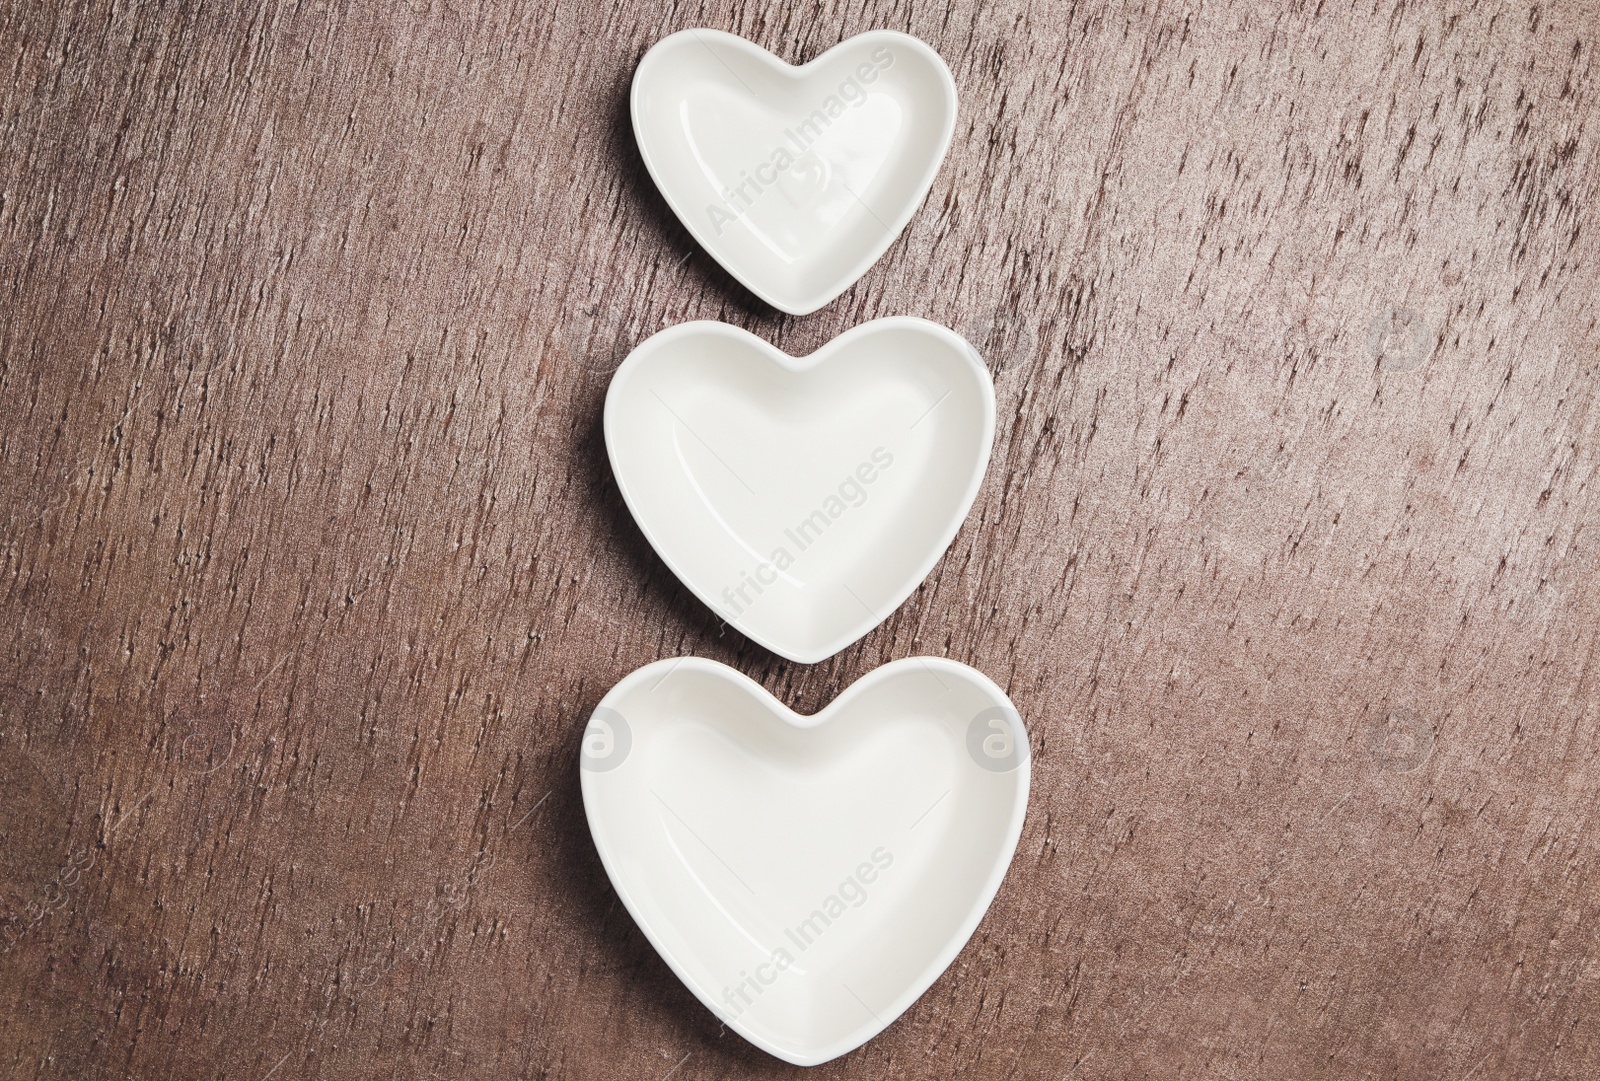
806	177
801	505
806	884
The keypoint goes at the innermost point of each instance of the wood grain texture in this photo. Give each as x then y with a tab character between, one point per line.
313	566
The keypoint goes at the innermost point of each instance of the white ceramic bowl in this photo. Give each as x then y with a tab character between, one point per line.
794	179
806	877
802	499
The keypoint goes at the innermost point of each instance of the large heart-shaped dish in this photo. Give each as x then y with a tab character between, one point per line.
794	179
802	499
807	877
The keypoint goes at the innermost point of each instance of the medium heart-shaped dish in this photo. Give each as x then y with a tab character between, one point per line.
802	499
807	878
794	179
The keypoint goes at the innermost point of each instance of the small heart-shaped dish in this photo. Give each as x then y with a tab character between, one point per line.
802	499
807	878
794	179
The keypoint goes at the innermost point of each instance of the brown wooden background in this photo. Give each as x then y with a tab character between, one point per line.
313	565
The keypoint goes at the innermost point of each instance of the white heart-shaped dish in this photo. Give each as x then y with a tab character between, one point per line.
802	499
794	179
807	878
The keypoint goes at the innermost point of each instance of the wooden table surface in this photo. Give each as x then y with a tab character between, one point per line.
314	566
